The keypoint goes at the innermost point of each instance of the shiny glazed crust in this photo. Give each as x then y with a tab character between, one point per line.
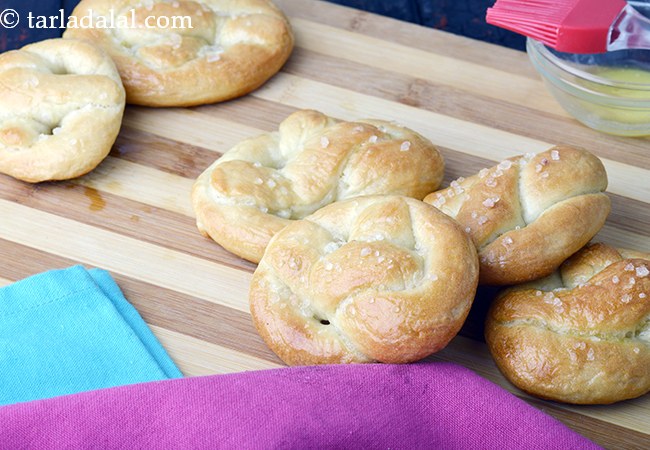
581	335
378	278
61	106
232	48
529	213
264	183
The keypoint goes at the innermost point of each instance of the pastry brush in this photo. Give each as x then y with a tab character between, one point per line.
574	26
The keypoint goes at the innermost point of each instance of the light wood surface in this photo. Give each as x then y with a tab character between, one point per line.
132	216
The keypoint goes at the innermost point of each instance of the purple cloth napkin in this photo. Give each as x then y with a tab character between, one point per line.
428	405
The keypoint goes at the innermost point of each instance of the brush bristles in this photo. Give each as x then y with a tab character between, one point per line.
537	19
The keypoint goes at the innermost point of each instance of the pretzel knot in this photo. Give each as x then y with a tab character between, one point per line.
61	106
581	335
378	278
262	184
529	213
184	52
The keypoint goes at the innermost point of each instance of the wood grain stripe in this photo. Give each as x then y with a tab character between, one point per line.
440	69
124	255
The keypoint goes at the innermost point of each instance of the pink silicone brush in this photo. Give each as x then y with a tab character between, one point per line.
574	26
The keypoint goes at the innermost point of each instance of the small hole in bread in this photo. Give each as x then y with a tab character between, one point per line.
324	322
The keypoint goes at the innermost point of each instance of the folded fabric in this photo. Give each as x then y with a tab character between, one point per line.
72	330
427	405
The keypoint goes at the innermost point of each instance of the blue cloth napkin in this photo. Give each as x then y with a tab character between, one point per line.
72	330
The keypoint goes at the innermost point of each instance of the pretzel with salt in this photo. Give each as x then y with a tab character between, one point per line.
187	52
264	183
376	278
581	335
529	213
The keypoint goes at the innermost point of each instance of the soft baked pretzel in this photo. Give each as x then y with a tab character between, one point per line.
377	278
262	184
232	48
582	335
529	213
61	106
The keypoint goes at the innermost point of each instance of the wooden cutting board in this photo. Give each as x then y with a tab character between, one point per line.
132	216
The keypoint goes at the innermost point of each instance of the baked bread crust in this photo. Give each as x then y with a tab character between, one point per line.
262	184
529	213
61	106
581	335
377	278
232	48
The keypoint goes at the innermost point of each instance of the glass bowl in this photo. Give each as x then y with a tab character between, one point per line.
609	92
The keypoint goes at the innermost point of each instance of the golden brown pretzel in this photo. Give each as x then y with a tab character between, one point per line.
232	47
61	106
262	184
529	213
581	335
378	278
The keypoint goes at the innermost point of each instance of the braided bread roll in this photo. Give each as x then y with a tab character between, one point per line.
188	52
61	106
529	213
581	335
264	183
377	278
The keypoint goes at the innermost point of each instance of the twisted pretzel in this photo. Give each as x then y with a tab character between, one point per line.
232	47
378	278
529	213
262	184
581	335
61	105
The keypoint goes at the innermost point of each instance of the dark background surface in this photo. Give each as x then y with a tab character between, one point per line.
464	17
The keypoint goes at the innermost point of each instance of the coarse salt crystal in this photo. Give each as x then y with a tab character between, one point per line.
328	265
439	201
490	202
491	182
629	267
357	129
372	139
615	279
590	354
538	168
626	298
381	259
544	175
642	271
505	165
271	183
324	142
555	155
474	214
483	173
544	161
258	181
257	164
365	251
405	146
642	295
468	229
213	57
636	350
482	220
507	240
538	293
